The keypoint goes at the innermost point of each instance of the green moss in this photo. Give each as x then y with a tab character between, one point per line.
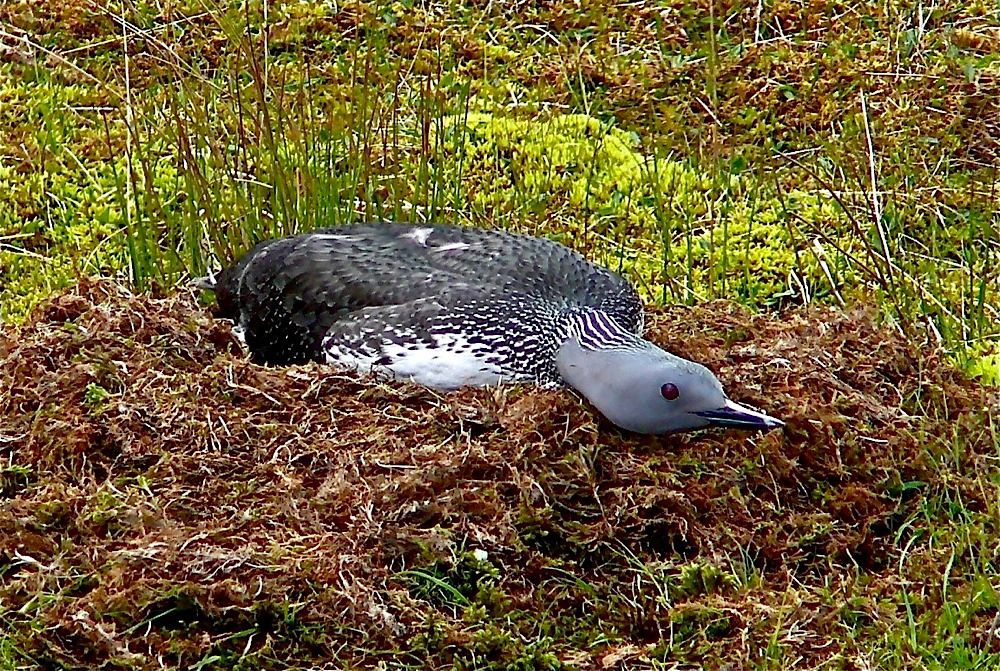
983	363
698	578
466	580
661	220
683	234
94	396
571	161
59	217
761	250
495	648
494	634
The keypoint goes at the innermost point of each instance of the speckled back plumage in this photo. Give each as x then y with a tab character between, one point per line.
369	294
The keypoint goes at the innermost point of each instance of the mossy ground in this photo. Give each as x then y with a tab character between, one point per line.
172	504
775	154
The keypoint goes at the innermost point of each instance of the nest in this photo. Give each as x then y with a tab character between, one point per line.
180	502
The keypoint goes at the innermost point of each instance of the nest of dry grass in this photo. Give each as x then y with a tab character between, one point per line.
165	501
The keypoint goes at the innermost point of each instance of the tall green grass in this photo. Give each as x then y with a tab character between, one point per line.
268	144
261	148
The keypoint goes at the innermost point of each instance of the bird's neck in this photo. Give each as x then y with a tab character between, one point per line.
596	330
590	359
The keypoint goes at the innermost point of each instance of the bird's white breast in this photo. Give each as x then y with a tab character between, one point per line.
449	363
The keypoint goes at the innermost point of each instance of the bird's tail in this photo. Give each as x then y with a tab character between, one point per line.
208	283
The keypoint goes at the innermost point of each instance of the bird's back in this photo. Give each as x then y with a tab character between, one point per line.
287	293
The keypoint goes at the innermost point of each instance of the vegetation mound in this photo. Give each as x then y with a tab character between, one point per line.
165	502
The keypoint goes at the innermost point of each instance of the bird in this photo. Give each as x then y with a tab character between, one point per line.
449	306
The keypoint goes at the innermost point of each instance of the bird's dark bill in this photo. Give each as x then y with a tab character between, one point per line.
735	416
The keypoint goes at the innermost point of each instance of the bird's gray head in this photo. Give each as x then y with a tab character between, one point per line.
644	389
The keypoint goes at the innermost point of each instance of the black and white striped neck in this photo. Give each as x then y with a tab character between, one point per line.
596	330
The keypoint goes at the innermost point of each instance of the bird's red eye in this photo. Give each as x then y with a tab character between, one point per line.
670	391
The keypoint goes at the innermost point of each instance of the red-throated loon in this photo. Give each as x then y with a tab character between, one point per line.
450	306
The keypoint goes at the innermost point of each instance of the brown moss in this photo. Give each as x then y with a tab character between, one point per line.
202	494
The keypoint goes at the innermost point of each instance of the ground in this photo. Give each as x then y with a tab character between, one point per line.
804	193
171	503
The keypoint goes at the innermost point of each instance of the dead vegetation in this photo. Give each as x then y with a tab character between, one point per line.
166	502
